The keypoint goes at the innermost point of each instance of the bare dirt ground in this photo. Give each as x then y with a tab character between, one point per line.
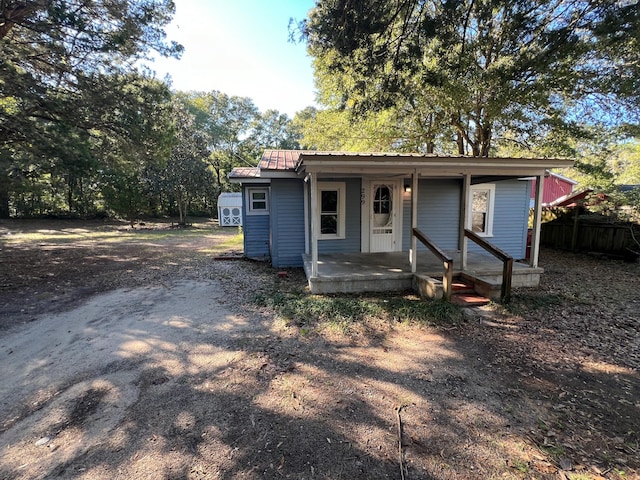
136	355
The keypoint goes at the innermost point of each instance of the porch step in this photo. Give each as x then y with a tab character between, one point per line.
432	288
485	286
461	285
469	300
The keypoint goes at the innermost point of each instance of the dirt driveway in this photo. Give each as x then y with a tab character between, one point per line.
136	355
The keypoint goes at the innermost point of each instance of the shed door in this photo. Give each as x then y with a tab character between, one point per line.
383	216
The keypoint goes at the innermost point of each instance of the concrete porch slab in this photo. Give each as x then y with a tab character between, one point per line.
391	271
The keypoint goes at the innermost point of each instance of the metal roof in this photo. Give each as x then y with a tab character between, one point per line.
245	172
288	162
290	159
280	159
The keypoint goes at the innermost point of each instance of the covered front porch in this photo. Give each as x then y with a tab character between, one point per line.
389	271
421	222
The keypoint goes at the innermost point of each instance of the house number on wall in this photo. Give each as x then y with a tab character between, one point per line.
362	196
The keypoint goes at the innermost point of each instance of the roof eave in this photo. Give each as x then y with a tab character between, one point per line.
248	180
278	174
405	163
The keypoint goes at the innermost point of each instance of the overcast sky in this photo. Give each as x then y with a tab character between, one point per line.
241	47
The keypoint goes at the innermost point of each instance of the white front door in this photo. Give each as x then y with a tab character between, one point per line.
384	207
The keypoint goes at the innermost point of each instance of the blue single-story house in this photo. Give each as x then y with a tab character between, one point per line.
355	220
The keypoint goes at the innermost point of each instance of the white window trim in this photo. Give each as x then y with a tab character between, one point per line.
250	210
341	189
490	188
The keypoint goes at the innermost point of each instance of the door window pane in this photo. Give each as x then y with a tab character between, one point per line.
382	200
382	206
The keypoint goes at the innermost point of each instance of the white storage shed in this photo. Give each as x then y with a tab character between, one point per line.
230	209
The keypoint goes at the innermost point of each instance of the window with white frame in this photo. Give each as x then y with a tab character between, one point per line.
258	201
331	210
480	219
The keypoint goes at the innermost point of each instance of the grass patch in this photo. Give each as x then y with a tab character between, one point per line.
342	311
71	235
521	466
231	244
553	450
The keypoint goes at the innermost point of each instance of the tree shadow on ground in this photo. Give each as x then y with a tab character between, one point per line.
247	398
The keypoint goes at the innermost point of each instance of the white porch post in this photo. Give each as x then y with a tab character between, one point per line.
306	216
314	223
537	221
462	239
413	254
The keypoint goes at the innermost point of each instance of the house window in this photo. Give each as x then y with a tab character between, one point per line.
331	208
480	218
258	201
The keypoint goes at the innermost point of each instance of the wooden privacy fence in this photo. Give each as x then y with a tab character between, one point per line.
583	235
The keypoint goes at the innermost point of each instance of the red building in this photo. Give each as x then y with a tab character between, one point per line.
555	186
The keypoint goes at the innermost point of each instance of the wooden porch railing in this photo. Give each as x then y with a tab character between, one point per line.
447	261
507	263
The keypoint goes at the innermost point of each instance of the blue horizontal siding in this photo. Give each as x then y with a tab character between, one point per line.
351	242
256	236
287	222
510	218
438	213
255	230
281	234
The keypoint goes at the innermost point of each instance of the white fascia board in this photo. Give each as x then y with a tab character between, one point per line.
498	167
250	180
428	172
278	174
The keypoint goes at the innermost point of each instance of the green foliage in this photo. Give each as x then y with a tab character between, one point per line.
185	176
235	131
624	162
140	154
477	72
271	129
139	142
68	166
344	310
123	193
65	68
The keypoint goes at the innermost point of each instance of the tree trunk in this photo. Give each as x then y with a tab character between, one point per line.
4	197
181	212
132	209
460	133
70	182
484	149
484	141
431	146
460	143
